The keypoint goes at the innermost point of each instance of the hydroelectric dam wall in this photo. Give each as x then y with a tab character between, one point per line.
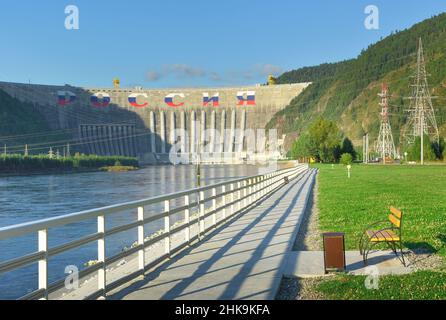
140	122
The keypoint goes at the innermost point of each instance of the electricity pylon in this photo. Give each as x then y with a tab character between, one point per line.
384	145
421	119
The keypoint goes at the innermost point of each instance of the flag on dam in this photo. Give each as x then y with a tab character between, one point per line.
214	99
100	99
169	100
249	100
132	100
65	97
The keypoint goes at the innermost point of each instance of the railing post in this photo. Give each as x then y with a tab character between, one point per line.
101	256
141	251
239	196
232	199
262	186
43	263
245	193
256	188
223	201
214	207
167	227
187	217
201	214
250	187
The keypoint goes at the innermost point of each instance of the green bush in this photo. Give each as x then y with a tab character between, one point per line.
17	162
346	158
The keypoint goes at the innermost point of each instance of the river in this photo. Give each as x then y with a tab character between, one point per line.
28	198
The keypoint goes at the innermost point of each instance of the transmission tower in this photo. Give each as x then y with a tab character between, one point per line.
421	119
384	145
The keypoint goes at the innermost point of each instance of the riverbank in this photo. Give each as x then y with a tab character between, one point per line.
20	165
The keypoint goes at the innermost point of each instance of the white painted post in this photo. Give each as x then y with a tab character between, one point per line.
245	193
167	226
214	207
232	199
201	214
223	201
101	255
250	184
239	196
187	217
141	263
43	263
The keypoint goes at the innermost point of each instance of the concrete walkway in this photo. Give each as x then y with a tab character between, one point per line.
245	259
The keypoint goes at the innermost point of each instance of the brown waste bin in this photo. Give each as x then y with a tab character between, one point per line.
334	251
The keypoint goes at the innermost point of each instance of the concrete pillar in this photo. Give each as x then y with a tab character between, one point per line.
242	131
222	131
125	140
134	141
213	128
93	137
183	132
172	129
114	142
232	135
120	140
193	132
152	132
101	138
85	139
107	140
202	129
163	131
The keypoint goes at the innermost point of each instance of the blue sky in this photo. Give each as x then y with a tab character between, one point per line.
188	43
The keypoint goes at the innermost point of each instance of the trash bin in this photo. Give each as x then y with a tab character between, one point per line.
334	252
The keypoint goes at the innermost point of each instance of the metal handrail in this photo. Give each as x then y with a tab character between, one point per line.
243	192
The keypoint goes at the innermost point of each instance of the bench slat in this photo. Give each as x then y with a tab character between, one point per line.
394	220
396	212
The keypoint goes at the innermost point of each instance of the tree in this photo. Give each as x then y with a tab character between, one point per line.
347	147
414	151
439	148
301	147
346	158
324	137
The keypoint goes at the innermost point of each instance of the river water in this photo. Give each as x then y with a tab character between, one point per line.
29	198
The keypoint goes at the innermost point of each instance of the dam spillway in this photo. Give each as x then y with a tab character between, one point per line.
142	122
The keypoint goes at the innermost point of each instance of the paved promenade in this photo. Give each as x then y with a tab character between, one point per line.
243	260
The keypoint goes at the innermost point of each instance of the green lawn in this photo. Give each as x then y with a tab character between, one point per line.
349	205
422	285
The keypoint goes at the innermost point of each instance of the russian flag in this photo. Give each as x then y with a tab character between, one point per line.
249	100
214	99
133	102
104	101
169	99
65	97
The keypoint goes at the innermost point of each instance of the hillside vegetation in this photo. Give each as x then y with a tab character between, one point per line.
19	121
346	92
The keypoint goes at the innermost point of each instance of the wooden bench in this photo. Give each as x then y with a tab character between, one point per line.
390	234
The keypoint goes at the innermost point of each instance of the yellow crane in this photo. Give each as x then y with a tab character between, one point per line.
116	83
271	80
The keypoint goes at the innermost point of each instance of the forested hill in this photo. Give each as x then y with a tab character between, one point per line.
21	123
347	91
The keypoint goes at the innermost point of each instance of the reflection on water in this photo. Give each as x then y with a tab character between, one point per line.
24	199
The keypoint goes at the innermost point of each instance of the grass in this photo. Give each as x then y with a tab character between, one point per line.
421	285
349	205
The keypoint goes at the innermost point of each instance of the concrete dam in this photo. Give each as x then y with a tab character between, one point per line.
147	123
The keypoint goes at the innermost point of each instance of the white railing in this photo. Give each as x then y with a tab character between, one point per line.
226	198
